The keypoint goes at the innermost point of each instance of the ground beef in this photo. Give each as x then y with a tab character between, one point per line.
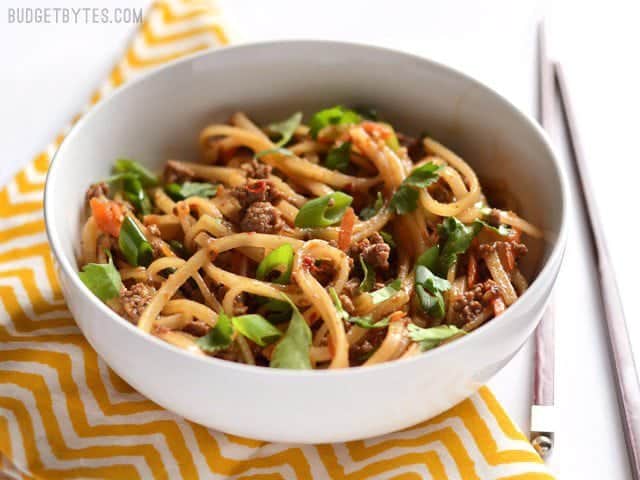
197	328
374	251
256	191
100	189
262	217
323	271
474	301
441	192
257	169
175	172
361	351
135	299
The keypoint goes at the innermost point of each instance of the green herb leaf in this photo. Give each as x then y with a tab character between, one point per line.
280	259
431	282
332	116
286	128
405	199
429	258
219	337
323	211
135	194
431	303
190	189
277	311
256	328
367	322
133	244
367	212
339	158
423	176
293	350
502	230
342	313
386	292
147	178
388	239
458	238
369	279
429	338
103	279
272	151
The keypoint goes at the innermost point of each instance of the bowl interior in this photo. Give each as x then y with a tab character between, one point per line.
159	118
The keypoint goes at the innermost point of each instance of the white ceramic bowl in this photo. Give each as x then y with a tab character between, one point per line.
159	117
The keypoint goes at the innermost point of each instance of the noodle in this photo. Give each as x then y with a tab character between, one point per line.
261	227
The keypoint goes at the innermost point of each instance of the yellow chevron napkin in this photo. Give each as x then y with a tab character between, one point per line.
64	414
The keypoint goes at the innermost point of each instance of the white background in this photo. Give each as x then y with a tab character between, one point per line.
48	72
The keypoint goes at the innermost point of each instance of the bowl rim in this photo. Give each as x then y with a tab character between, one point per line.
544	276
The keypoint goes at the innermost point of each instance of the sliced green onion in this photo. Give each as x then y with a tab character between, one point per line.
342	313
103	279
133	244
286	128
219	337
280	259
256	328
323	211
147	178
190	189
367	212
135	194
332	116
367	322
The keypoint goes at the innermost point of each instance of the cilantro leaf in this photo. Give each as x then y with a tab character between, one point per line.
332	116
458	238
386	292
429	338
286	128
293	350
502	230
219	337
431	282
256	328
369	279
190	189
429	257
339	158
103	279
367	322
429	288
405	199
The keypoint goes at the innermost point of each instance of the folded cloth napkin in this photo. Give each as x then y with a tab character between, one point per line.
64	414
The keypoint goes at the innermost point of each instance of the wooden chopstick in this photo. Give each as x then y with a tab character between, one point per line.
542	406
622	355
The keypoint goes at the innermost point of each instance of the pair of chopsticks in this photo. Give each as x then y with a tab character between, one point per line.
621	352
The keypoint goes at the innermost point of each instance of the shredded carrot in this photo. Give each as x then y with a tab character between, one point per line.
395	316
346	229
472	270
506	256
108	215
498	306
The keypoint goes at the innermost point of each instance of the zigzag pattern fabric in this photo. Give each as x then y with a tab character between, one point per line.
64	414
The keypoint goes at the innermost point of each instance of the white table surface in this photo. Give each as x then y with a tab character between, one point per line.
48	72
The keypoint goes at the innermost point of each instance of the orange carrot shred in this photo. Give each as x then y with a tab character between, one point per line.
472	270
107	214
395	316
346	229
